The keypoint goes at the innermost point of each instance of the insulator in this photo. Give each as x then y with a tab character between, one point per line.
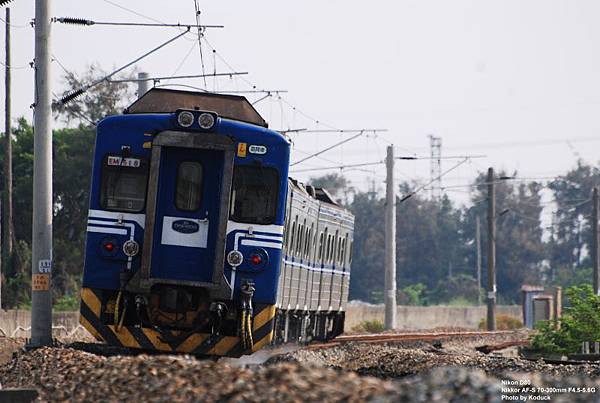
4	2
74	21
70	96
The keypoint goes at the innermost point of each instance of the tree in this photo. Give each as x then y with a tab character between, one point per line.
571	227
106	98
336	184
519	245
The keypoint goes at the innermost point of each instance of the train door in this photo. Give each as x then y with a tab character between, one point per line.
187	212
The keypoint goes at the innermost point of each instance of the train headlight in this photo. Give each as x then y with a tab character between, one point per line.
206	121
131	248
235	258
185	119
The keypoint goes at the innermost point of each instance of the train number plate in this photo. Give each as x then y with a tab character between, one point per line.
123	162
256	149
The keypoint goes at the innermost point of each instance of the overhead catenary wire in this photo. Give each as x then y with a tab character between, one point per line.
200	35
382	162
433	180
78	92
327	149
87	22
158	79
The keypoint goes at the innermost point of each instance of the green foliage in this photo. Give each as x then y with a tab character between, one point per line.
579	323
67	303
413	294
72	165
461	289
503	322
369	326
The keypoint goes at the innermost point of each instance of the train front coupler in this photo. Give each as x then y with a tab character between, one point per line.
246	312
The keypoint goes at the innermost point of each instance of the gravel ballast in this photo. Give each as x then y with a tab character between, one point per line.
445	371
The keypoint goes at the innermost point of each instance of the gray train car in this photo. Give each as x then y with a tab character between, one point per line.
315	269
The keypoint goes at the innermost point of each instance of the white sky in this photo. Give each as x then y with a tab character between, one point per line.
484	75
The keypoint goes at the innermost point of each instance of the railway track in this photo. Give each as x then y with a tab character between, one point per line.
397	337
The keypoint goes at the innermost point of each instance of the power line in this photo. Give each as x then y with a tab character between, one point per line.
76	93
157	79
13	25
433	180
86	22
200	35
364	164
327	148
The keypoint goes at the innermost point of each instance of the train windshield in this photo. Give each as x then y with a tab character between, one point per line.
124	183
254	194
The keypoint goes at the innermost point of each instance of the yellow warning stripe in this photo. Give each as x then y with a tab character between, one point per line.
223	346
91	300
125	336
88	326
154	338
192	342
263	342
263	317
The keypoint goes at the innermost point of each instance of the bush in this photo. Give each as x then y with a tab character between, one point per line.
503	322
413	294
580	323
369	326
67	303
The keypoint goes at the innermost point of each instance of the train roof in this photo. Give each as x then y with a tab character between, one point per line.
163	100
320	194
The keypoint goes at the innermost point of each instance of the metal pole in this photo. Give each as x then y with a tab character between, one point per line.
478	244
143	84
491	283
595	253
390	242
41	295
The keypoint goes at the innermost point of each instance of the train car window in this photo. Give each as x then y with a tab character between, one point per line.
292	237
300	242
345	253
336	247
123	184
350	252
320	248
188	188
309	240
254	194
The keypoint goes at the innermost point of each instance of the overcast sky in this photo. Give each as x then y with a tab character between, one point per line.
516	80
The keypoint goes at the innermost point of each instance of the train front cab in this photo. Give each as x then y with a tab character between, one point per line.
179	293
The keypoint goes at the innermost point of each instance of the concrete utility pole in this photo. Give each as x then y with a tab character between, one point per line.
491	258
6	206
390	242
595	252
8	234
143	84
41	270
478	245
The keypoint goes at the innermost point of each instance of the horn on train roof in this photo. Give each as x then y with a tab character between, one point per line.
163	100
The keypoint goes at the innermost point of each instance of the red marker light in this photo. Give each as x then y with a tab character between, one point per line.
255	260
109	246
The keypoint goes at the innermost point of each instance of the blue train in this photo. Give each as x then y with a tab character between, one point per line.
197	240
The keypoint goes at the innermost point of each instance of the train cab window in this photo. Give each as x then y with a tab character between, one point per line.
254	194
188	191
123	184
